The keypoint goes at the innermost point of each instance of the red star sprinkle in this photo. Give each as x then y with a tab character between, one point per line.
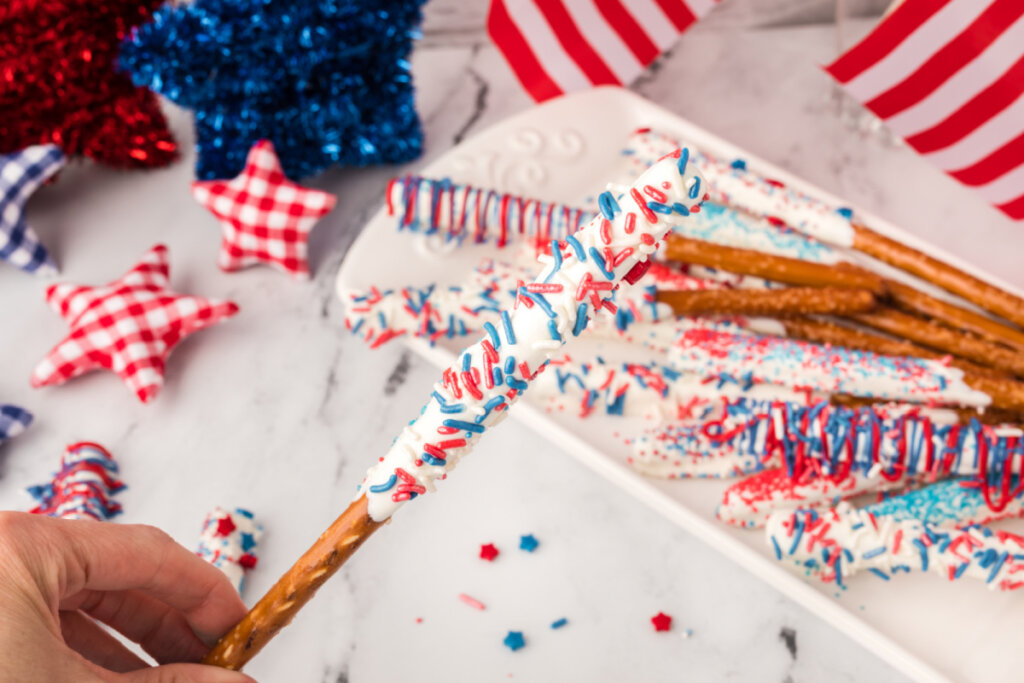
662	622
248	561
128	326
488	552
264	217
225	526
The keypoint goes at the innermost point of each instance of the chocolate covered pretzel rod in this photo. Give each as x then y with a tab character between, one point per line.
477	390
734	185
778	268
771	302
832	370
827	332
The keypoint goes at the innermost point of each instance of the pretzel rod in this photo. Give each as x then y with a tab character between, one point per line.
779	268
938	336
931	269
295	588
831	370
985	416
734	185
825	332
487	378
838	543
916	301
780	302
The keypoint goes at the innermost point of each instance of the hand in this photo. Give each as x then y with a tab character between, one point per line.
58	578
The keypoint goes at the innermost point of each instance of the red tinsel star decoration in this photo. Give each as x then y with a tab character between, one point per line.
128	326
662	622
265	218
59	82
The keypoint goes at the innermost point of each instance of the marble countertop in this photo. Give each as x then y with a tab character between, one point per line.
279	410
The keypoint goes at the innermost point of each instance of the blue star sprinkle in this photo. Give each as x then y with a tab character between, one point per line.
13	421
21	173
514	640
528	543
328	82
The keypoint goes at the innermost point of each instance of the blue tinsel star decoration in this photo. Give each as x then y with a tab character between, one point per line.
13	421
327	81
21	174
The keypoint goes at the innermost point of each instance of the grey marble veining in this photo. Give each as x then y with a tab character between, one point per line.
280	410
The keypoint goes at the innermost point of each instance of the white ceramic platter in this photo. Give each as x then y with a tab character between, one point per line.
566	151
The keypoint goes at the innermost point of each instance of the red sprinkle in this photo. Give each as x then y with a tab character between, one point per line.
488	552
662	622
472	602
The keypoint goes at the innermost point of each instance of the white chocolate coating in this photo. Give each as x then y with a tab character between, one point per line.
477	390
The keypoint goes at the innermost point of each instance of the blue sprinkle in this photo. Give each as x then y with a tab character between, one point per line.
739	164
514	640
873	553
517	384
466	361
496	376
381	488
681	209
778	550
528	543
510	365
609	207
581	319
658	207
461	424
576	247
960	570
431	460
559	623
355	328
507	324
878	572
695	188
493	334
923	552
494	403
444	406
995	567
599	260
684	158
553	330
846	212
556	255
538	299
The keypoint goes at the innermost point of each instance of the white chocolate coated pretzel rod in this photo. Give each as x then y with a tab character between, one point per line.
476	392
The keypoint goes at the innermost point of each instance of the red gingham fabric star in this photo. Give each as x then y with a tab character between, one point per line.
265	217
128	326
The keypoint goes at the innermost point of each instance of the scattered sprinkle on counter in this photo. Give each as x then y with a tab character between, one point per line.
514	640
528	543
488	552
662	622
472	602
560	623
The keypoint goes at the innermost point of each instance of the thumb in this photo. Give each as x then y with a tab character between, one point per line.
184	673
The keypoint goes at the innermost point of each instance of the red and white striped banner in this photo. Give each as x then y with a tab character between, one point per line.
948	76
558	46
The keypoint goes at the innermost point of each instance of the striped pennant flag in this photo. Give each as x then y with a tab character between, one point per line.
948	77
558	46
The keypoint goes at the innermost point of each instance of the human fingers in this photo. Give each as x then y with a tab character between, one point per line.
162	631
104	557
87	638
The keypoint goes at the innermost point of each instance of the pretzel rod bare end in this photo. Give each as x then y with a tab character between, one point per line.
295	588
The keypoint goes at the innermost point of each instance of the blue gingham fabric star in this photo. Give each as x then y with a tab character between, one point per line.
13	421
21	173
